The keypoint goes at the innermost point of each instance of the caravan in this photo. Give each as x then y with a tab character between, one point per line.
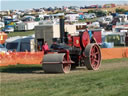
23	26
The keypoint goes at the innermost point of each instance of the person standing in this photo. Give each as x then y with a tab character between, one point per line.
93	39
45	47
91	36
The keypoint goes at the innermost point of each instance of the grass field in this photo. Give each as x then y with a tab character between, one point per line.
21	33
30	80
88	20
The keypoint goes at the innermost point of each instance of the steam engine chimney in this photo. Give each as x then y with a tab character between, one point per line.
62	31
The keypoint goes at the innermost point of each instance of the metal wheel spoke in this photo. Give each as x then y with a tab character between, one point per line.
96	53
97	61
93	50
92	62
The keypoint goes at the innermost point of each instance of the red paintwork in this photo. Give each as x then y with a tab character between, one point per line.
85	39
69	40
76	41
97	35
79	41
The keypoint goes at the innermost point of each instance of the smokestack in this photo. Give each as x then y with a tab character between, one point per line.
62	29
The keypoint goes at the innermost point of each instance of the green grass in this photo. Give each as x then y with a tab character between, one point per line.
88	20
114	60
113	82
107	83
21	33
20	68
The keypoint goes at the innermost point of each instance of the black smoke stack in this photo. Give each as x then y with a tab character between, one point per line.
62	31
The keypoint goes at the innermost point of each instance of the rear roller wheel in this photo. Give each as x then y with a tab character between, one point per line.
93	57
56	63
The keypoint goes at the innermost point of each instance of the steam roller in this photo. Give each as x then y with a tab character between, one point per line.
72	51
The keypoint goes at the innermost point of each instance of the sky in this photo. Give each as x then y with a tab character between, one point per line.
63	0
27	4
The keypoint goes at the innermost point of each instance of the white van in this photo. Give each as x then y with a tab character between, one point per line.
20	44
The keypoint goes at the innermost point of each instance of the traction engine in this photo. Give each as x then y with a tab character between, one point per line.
73	51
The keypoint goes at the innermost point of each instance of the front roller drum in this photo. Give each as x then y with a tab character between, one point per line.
93	56
56	63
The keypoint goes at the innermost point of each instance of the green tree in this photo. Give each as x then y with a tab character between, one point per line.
100	13
120	10
91	11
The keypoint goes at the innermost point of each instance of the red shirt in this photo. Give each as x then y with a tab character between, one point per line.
45	47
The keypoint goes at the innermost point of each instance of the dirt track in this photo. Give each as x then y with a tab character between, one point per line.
19	76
